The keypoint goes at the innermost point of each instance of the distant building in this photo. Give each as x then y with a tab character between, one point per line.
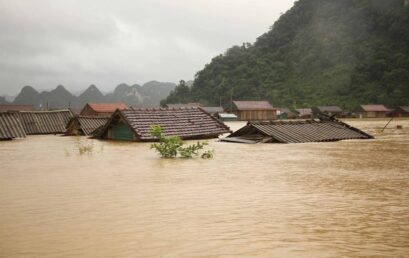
187	123
373	111
402	111
101	109
254	110
331	110
184	105
285	113
214	111
304	113
12	107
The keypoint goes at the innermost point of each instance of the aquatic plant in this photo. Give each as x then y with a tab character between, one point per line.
171	146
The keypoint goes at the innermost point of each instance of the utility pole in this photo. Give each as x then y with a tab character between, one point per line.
231	100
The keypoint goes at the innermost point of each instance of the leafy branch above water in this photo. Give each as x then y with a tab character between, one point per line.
172	146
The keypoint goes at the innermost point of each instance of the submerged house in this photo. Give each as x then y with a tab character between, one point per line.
296	132
286	113
331	110
135	124
85	125
402	111
214	111
225	117
10	126
101	109
254	110
374	111
304	113
45	122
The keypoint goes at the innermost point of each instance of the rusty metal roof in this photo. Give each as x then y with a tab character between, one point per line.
88	124
297	132
188	123
12	107
374	108
10	126
107	107
253	105
45	122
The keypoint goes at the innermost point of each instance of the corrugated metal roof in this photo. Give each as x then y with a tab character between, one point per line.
188	123
330	109
12	107
299	131
45	122
374	108
10	126
88	124
253	105
107	107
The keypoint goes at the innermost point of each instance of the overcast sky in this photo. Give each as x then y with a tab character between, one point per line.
76	43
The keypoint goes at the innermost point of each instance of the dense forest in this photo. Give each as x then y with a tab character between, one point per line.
320	52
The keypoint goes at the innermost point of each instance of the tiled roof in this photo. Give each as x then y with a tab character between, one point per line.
374	108
213	110
12	107
45	122
10	126
107	107
330	109
253	105
297	132
88	124
188	123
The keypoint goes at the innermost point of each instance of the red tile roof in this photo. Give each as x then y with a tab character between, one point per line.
253	105
374	108
188	123
12	107
107	107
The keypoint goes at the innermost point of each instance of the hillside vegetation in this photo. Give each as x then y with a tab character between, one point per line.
320	52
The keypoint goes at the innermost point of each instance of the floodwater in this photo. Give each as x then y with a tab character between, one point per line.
338	199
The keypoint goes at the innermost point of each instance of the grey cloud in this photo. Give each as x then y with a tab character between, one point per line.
76	43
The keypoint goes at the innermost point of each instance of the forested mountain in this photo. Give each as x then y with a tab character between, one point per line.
148	95
320	52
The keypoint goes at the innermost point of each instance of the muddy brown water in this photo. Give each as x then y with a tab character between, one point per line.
338	199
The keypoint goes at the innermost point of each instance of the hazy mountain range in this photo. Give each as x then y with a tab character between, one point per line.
147	95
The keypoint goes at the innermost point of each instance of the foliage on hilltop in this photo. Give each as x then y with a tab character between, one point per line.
320	52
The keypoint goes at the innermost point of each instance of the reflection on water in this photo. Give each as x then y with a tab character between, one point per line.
347	198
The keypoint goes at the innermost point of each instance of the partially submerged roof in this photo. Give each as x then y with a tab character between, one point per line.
296	132
330	109
227	115
107	107
45	122
374	108
87	124
188	123
253	105
213	110
12	107
404	108
10	126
